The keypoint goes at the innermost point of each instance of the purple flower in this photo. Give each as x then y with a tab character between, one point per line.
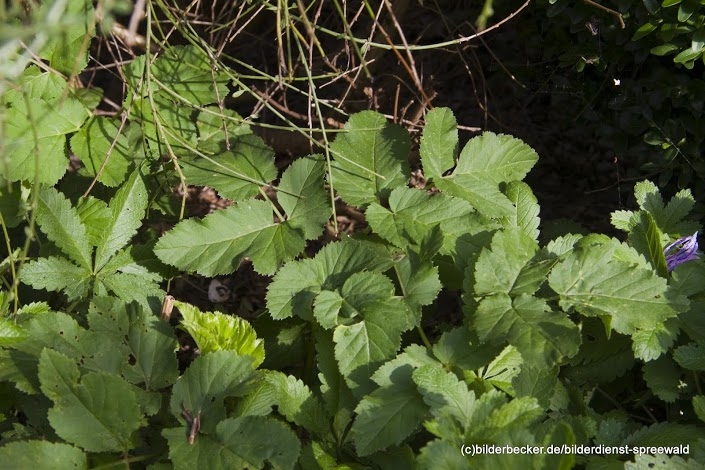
684	249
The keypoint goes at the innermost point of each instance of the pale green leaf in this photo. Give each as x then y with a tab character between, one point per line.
67	51
132	287
418	279
99	413
35	84
61	223
370	159
11	332
95	215
445	394
645	237
484	195
207	382
663	378
502	370
526	213
127	209
442	454
622	220
497	269
215	331
57	274
237	174
297	283
33	455
651	344
35	139
594	284
541	335
439	142
104	151
246	442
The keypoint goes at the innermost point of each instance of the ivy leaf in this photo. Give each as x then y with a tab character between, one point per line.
35	142
236	443
57	274
99	140
541	336
214	331
217	243
237	174
62	225
99	413
590	281
439	142
127	209
43	454
370	159
297	283
207	382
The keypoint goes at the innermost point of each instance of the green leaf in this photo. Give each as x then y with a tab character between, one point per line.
214	331
236	443
213	123
590	281
297	283
57	274
10	332
98	413
418	277
669	217
439	142
67	51
127	209
95	215
663	377
699	406
445	394
35	142
296	402
104	151
390	413
541	335
31	455
526	214
536	382
237	174
441	454
651	344
496	158
484	195
690	356
62	225
370	159
217	243
497	269
645	237
35	84
207	382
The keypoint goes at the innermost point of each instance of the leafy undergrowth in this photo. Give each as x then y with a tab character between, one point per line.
583	340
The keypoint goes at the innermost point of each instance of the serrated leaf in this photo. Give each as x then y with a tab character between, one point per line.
413	213
484	195
303	197
99	413
439	142
445	394
370	159
497	158
207	382
337	398
35	84
670	462
67	49
127	209
61	223
297	283
389	414
95	215
668	218
665	434
498	268
662	376
237	174
418	277
214	331
130	287
35	142
590	281
236	443
55	274
526	214
104	151
536	382
651	344
296	402
541	335
645	237
441	454
30	455
699	406
213	124
690	356
10	332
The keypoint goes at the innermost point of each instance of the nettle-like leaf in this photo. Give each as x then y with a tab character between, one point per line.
589	280
370	159
217	243
99	412
215	331
237	174
484	163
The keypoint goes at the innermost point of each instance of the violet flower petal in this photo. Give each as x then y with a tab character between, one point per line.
685	250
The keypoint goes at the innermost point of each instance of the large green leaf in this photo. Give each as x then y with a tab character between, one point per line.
35	139
370	159
590	281
237	174
32	455
99	412
246	442
61	223
217	244
498	269
127	209
439	142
